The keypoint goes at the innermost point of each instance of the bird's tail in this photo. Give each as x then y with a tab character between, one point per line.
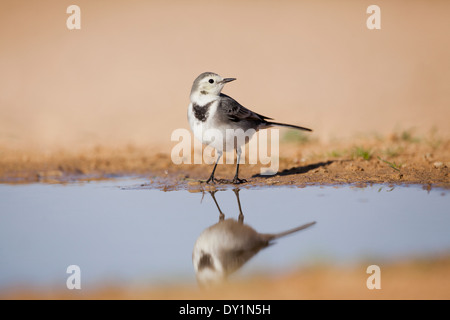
271	124
287	232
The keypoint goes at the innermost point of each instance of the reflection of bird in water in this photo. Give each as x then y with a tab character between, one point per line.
227	245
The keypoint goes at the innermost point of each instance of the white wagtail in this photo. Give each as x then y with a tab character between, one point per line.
226	246
211	109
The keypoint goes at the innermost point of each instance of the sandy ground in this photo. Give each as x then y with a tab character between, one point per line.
401	158
414	279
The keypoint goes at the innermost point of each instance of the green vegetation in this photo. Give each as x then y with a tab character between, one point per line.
393	152
335	154
408	136
360	152
393	165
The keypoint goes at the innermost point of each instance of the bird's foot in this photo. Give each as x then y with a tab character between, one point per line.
211	180
236	180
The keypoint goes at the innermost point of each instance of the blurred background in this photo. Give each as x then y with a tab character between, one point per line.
125	76
124	80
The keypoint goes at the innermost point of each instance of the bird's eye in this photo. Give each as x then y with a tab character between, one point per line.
211	80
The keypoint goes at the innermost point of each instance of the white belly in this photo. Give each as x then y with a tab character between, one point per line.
220	138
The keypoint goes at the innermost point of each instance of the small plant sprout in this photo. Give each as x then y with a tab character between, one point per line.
393	165
360	152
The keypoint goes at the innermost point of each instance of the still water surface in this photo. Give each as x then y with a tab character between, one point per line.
117	232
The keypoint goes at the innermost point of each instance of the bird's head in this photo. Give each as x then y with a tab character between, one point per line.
208	85
208	269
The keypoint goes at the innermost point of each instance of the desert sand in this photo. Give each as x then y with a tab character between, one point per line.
414	279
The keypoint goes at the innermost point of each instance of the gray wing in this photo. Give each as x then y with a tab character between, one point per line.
243	243
232	260
236	112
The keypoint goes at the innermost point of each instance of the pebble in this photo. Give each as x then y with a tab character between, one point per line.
438	164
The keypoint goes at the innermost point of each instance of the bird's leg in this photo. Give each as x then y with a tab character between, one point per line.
241	215
221	214
211	177
236	179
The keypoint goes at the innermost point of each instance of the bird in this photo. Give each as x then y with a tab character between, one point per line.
226	246
210	109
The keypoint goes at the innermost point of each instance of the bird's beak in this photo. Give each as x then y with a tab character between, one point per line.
227	80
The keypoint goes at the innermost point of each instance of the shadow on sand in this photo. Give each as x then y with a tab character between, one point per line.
296	170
